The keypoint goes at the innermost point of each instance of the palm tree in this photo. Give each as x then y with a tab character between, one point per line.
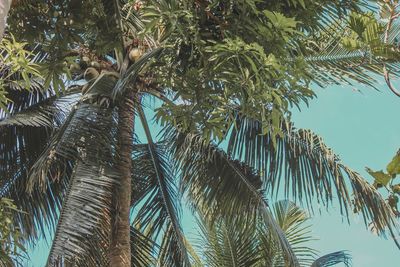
240	243
74	149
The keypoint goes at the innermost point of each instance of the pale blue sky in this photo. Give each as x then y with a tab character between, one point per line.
364	129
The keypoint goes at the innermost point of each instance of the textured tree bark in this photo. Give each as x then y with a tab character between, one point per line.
4	9
120	250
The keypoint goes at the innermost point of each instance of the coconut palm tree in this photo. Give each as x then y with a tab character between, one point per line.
223	72
240	243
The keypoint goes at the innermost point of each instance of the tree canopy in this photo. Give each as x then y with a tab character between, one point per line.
224	71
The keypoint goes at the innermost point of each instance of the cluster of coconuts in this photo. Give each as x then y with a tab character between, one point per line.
93	68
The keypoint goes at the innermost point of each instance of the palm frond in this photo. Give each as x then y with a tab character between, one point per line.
142	169
6	260
85	141
50	112
20	99
375	211
224	243
335	10
23	138
46	172
97	254
307	169
19	129
87	120
293	222
86	211
160	209
333	259
217	185
194	256
143	248
330	62
341	66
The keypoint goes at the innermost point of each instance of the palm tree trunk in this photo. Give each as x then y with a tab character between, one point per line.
4	8
120	249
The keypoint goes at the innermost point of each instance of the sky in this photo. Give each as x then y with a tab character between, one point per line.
362	126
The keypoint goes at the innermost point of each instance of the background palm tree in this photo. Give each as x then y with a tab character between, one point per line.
243	243
72	148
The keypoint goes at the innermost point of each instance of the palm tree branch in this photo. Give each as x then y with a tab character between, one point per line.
218	185
307	168
293	222
344	65
333	259
22	141
49	112
85	212
176	235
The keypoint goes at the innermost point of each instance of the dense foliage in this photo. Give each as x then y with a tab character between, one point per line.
253	56
387	179
10	247
17	71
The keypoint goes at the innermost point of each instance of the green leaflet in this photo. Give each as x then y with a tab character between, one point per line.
282	23
393	168
380	177
15	61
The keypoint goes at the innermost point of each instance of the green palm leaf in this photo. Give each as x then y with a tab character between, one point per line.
224	243
330	62
161	205
333	259
302	166
294	223
217	185
48	113
248	244
85	214
143	248
86	142
24	134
